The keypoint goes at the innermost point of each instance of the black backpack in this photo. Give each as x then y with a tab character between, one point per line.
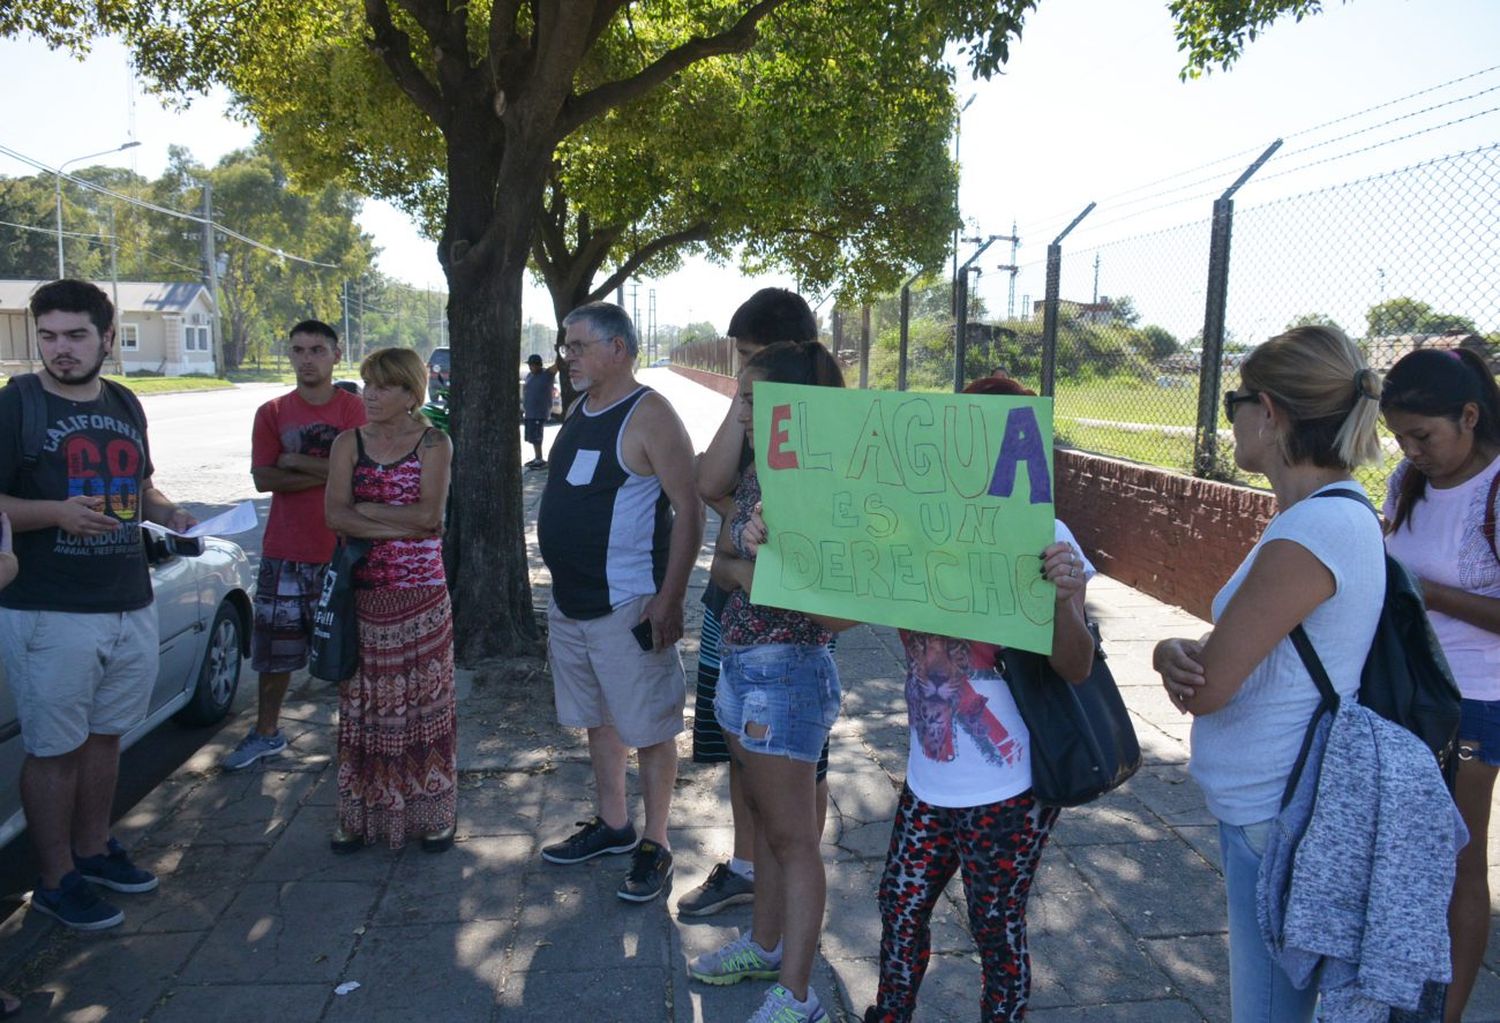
1405	677
34	414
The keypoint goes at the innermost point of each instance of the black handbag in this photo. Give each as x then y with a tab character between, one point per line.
1082	742
333	654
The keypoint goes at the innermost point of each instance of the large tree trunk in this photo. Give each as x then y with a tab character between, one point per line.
484	250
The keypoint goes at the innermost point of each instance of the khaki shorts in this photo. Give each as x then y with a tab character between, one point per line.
76	675
601	676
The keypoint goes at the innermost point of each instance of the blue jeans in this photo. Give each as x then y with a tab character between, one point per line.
1259	990
779	699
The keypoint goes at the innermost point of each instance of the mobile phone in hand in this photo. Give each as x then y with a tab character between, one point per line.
643	637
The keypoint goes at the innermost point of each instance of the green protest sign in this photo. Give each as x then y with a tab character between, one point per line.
924	511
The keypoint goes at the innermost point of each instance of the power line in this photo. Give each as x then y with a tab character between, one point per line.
1034	226
165	210
51	232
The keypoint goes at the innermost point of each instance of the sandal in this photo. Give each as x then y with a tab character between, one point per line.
343	842
438	841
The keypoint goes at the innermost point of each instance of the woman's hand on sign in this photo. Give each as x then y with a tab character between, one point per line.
755	530
1063	567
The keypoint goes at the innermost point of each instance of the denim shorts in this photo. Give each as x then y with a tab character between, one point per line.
778	699
1479	732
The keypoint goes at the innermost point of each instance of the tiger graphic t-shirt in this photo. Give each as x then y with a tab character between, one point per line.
91	449
295	529
969	746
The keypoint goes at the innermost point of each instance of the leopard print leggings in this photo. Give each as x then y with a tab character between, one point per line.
997	847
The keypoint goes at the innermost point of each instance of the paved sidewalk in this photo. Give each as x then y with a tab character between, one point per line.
256	920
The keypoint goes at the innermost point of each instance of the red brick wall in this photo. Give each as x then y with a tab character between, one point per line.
715	381
1174	537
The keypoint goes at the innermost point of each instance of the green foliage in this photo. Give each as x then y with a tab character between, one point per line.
1412	316
1213	32
1159	342
260	293
1313	320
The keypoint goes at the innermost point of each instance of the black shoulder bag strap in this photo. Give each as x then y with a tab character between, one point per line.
1489	515
1314	665
33	419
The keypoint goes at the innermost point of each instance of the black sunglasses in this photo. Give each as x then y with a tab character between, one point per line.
1231	400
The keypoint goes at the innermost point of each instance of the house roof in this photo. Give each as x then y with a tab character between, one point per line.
135	296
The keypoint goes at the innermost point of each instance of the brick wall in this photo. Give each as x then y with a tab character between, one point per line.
715	381
1174	537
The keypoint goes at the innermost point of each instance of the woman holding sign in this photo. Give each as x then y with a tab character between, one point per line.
967	804
778	697
1304	416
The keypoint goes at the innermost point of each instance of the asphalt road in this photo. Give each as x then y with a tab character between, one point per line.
200	448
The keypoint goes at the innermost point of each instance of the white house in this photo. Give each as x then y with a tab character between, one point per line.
164	327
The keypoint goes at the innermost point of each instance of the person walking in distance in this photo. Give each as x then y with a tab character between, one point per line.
289	459
619	528
78	634
536	405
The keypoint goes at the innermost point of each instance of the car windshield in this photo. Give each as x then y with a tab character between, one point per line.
439	360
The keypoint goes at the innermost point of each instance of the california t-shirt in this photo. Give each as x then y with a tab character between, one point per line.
92	448
295	529
969	746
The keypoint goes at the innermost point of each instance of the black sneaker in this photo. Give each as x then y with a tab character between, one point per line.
113	869
593	838
724	888
75	904
650	868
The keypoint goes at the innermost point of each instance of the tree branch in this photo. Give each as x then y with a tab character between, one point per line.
740	36
698	232
445	27
393	46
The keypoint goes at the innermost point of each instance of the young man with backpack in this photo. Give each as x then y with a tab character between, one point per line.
78	634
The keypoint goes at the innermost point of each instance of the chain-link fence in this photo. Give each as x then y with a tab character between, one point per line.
1145	334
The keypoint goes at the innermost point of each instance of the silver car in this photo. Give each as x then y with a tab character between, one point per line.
202	602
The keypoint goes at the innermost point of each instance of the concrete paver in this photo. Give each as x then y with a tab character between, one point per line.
257	920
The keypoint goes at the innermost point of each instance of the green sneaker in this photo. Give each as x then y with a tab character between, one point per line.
741	959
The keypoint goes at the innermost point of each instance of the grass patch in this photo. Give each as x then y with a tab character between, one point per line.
265	375
171	385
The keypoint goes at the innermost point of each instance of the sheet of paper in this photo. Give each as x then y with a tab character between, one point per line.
239	519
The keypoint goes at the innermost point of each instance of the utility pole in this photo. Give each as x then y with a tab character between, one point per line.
211	273
348	347
651	322
1015	246
1096	278
114	285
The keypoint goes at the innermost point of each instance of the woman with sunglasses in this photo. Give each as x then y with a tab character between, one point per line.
1444	408
1304	416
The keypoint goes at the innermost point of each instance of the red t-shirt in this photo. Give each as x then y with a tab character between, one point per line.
295	530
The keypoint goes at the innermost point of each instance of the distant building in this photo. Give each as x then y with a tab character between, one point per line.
1102	311
164	327
1384	352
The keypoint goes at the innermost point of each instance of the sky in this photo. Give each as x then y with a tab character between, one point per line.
1090	108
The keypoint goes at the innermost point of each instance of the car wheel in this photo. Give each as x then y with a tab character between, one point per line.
219	674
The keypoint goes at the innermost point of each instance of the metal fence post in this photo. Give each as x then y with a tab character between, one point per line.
1211	362
902	351
960	326
864	346
1049	305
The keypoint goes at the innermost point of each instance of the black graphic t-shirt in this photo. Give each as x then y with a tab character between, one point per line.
93	448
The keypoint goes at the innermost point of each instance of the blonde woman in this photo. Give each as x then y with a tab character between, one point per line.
1304	416
387	483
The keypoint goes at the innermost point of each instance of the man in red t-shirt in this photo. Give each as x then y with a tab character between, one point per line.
289	458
